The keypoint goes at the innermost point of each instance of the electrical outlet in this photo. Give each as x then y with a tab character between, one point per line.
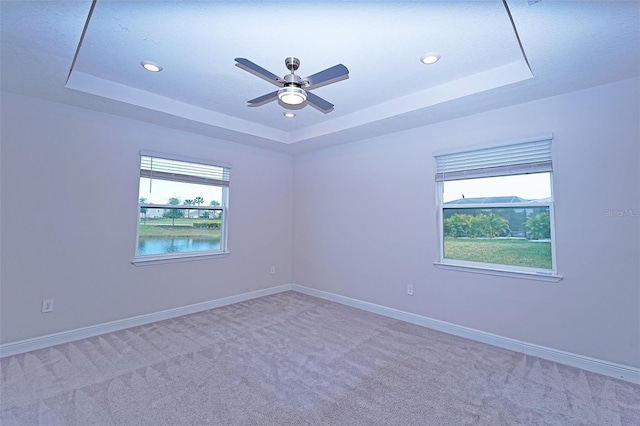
47	305
410	289
273	270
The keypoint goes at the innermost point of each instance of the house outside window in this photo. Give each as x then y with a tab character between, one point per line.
183	208
495	210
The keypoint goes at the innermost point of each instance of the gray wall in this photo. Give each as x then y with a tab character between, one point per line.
364	225
69	209
356	219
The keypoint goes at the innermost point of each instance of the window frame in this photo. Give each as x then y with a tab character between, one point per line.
541	274
223	208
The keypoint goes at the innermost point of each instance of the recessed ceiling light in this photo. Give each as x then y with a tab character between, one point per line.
430	58
150	66
288	114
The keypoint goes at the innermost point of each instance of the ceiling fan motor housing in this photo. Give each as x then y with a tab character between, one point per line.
292	80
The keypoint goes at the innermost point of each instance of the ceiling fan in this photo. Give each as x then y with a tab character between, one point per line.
295	91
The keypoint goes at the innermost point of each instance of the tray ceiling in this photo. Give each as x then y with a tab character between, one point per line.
88	54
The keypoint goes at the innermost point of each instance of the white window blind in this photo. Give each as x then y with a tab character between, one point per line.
182	171
518	158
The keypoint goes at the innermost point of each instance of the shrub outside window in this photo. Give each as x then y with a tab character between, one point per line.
495	209
183	208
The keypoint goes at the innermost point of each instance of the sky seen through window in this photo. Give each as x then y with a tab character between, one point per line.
535	186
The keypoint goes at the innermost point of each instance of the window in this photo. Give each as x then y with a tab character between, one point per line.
495	210
183	208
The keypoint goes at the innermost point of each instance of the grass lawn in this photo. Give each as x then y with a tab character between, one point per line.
183	228
517	252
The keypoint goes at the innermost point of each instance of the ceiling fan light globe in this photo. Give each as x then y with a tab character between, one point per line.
292	95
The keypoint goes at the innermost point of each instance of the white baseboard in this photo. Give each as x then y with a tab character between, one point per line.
623	372
27	345
627	373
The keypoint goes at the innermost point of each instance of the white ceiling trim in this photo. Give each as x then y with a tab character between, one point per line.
480	82
502	74
476	83
119	92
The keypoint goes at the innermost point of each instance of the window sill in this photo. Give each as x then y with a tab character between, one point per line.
156	260
548	277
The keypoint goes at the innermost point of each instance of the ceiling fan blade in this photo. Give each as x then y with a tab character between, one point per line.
330	75
257	70
318	103
269	97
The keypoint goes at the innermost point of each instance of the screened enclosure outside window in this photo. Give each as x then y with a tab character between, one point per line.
183	206
495	208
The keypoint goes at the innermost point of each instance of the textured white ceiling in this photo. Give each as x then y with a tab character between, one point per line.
569	45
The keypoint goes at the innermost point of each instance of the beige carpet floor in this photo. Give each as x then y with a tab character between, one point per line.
292	359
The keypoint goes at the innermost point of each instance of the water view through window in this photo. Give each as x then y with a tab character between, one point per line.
153	245
165	231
